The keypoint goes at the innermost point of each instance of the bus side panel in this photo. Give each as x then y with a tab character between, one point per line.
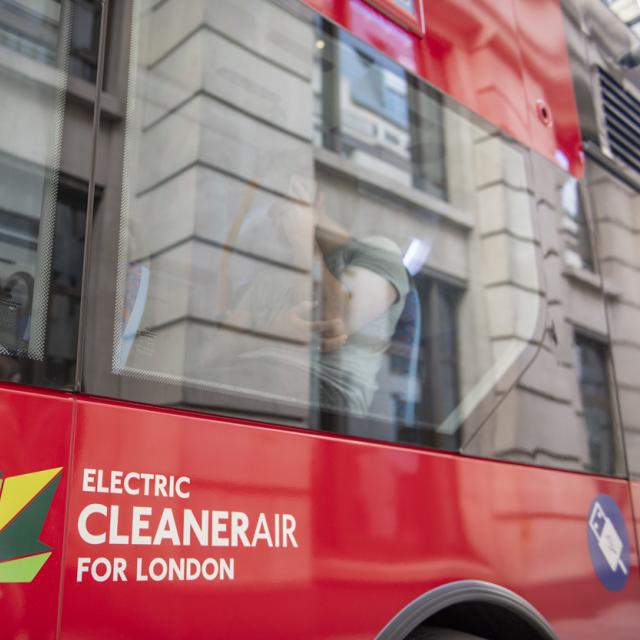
292	534
493	57
551	101
35	430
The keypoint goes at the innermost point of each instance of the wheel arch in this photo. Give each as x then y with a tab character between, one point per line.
477	600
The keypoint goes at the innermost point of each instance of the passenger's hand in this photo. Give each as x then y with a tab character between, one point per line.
298	323
332	333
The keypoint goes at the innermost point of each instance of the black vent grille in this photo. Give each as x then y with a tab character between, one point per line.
622	118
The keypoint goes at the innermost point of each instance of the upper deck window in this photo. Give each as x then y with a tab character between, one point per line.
300	231
307	234
31	28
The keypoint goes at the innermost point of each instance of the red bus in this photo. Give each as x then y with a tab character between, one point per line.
319	319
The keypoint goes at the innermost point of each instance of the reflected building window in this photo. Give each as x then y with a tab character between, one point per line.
33	29
423	356
85	38
20	255
66	281
20	211
578	249
369	110
593	379
41	213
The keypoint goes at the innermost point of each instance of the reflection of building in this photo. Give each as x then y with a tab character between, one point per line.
246	120
628	11
216	142
363	110
610	121
592	307
43	187
392	163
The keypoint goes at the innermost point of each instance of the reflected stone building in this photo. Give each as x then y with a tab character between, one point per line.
291	227
256	125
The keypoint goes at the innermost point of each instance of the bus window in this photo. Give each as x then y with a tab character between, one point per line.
309	235
43	189
306	234
555	413
616	211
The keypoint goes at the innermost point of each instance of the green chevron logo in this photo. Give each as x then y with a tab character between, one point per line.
24	504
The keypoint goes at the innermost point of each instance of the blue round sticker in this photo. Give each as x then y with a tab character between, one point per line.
608	543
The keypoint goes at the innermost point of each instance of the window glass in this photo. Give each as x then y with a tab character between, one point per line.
42	208
578	252
307	235
616	210
593	377
371	112
558	412
85	36
31	28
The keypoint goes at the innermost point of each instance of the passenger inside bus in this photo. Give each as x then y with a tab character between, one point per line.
364	287
346	318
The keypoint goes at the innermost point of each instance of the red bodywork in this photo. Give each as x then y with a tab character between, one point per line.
35	434
377	526
506	60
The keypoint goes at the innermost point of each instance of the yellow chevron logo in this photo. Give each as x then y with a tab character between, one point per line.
24	504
